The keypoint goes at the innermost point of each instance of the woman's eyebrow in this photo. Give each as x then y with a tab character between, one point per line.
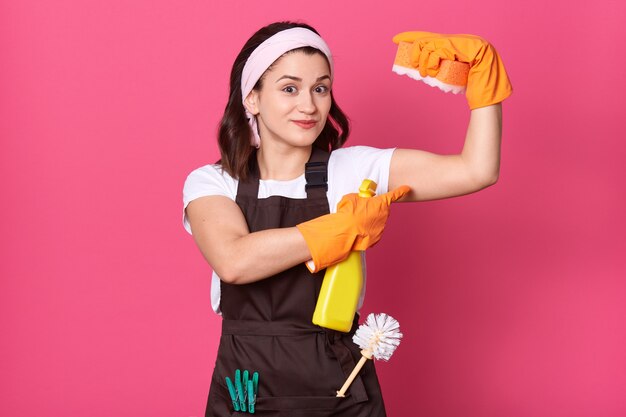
291	77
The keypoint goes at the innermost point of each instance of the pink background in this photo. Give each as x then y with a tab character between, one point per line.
512	300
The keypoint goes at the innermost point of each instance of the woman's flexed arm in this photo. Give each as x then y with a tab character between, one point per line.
432	176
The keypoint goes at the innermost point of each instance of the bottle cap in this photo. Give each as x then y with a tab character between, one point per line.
367	188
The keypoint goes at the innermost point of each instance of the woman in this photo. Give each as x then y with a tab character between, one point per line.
271	214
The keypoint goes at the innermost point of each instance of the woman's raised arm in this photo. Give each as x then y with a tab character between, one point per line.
432	176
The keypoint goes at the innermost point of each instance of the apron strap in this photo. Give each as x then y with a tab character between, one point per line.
316	175
250	187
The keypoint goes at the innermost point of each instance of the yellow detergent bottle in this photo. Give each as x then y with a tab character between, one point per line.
341	288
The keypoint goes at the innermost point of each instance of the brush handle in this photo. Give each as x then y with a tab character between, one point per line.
355	371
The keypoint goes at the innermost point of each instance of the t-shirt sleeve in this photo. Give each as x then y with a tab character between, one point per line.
207	181
351	165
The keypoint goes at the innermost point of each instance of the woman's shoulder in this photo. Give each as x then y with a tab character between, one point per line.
210	179
359	151
349	166
360	157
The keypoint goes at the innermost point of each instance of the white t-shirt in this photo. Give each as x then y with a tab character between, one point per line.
347	168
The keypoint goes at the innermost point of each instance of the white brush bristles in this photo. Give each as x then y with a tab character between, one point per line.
380	335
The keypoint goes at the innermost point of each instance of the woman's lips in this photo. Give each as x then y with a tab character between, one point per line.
304	124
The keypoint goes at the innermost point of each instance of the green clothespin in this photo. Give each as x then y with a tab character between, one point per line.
233	395
255	380
239	386
244	383
254	386
243	392
251	397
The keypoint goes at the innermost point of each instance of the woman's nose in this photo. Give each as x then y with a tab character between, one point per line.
306	104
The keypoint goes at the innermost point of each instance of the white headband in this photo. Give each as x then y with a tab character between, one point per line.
269	51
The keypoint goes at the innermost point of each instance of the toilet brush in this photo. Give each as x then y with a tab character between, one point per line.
378	337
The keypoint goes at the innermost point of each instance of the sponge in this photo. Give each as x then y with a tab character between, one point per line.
451	78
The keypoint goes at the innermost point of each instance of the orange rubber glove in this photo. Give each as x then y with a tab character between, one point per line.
487	81
357	225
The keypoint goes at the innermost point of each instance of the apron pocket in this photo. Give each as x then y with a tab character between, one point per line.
221	404
301	403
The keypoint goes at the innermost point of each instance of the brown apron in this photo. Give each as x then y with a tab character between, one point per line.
267	326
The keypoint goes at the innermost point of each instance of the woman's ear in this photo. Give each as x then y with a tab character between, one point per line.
250	103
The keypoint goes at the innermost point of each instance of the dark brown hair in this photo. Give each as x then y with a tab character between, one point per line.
234	132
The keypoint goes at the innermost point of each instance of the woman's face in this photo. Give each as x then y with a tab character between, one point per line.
294	101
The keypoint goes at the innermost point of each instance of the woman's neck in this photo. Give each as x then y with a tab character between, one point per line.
282	164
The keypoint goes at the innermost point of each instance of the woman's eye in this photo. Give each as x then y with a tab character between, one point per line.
321	89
